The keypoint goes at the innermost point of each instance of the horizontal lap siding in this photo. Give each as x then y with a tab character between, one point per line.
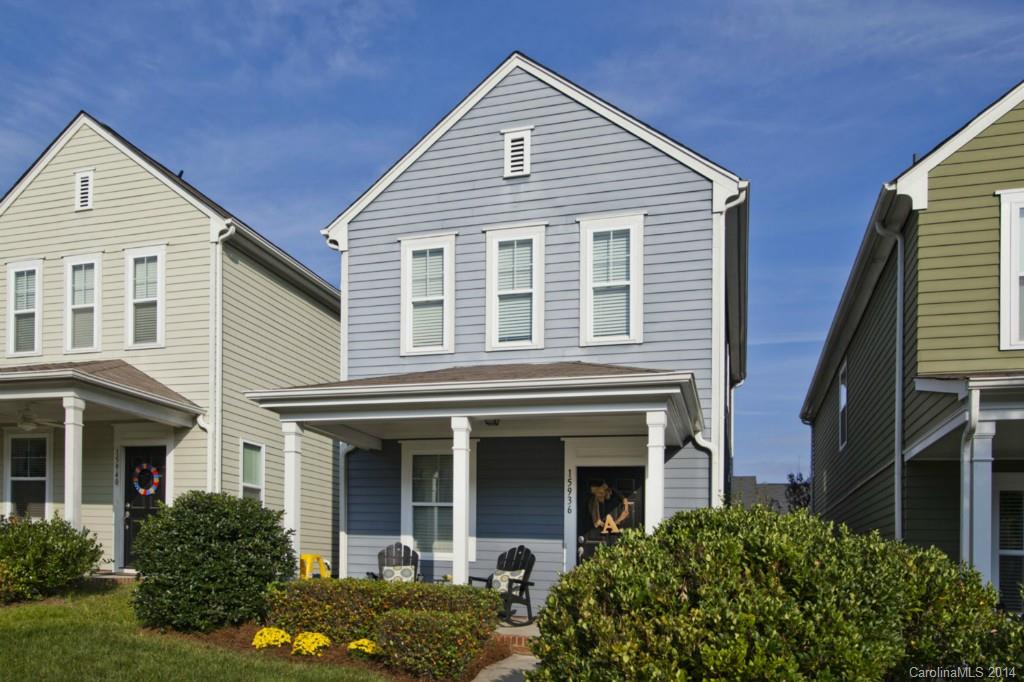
581	164
274	336
959	253
931	504
373	499
687	480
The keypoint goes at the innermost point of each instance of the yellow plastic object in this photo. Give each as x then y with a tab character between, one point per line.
306	563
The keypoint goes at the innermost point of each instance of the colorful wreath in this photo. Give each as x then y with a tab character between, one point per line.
154	479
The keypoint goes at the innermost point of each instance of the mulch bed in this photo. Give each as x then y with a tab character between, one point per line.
240	639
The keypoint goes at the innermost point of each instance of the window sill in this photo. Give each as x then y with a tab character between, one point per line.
82	351
612	341
25	354
513	346
144	346
427	351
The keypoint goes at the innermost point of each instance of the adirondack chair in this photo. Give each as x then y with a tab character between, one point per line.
511	578
397	563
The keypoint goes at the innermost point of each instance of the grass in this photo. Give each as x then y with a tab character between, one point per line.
93	635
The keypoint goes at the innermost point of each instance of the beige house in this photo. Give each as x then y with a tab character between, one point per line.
136	311
917	403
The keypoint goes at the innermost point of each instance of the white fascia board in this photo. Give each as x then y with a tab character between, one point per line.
955	386
995	382
75	375
914	181
725	183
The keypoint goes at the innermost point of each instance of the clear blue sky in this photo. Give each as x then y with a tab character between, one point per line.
285	111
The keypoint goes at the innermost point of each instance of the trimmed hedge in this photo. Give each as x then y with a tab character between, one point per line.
207	560
40	558
348	609
737	594
431	644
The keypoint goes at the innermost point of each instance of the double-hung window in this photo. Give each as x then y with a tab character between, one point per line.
612	279
515	287
428	498
24	307
253	458
28	463
1011	288
82	302
428	295
144	270
843	407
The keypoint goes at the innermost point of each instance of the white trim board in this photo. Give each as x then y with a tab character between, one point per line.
494	237
10	434
725	183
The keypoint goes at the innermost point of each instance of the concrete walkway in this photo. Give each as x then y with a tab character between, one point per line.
509	670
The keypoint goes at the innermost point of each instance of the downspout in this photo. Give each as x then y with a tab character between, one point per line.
215	434
898	389
973	409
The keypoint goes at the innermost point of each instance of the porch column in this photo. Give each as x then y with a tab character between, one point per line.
73	409
293	480
460	500
654	486
981	499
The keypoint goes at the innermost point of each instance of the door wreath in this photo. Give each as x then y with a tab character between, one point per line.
154	483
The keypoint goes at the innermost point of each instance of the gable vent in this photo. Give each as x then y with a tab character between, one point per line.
517	151
83	190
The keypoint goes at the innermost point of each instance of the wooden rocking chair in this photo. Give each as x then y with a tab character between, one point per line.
397	563
511	578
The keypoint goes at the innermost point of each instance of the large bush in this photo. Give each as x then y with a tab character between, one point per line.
346	610
737	594
431	644
40	558
207	560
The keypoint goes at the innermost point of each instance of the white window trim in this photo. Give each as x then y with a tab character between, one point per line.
1011	201
435	447
410	244
23	266
242	485
503	234
843	435
9	435
525	132
69	263
79	174
588	226
1002	481
160	251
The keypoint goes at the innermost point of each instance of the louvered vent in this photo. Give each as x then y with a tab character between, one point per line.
517	152
83	190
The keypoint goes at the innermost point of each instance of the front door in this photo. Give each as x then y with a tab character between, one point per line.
610	500
145	485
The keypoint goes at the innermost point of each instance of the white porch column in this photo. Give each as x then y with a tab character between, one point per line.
981	499
293	480
654	485
73	409
460	500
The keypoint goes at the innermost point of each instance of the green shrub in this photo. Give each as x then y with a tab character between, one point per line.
348	609
431	644
40	558
737	594
207	560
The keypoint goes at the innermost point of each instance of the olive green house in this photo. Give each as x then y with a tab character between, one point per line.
916	406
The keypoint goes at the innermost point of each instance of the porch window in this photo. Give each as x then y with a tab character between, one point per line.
843	432
515	287
428	318
145	281
24	286
612	297
82	300
1011	548
1011	289
432	503
253	457
28	477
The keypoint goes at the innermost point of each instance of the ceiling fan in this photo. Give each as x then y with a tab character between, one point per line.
28	421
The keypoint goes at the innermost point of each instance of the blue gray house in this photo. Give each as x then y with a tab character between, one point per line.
543	310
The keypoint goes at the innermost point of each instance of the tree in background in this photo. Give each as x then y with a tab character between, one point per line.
798	491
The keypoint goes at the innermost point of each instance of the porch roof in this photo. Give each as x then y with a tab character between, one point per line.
364	411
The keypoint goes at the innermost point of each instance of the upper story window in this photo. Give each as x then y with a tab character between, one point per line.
82	301
83	189
843	407
1011	289
428	295
517	151
144	316
515	287
612	280
253	457
24	307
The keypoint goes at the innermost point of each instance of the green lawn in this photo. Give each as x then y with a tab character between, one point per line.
94	636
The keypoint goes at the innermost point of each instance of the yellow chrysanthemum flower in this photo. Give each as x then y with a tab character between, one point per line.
363	646
268	637
310	644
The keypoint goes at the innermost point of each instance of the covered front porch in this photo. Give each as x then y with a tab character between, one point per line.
462	464
95	443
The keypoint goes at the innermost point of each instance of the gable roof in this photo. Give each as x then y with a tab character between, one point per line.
896	202
288	265
725	182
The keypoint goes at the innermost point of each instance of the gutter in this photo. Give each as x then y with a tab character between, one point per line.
881	229
214	435
76	375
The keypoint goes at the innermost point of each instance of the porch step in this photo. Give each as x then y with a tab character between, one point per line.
116	577
518	637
